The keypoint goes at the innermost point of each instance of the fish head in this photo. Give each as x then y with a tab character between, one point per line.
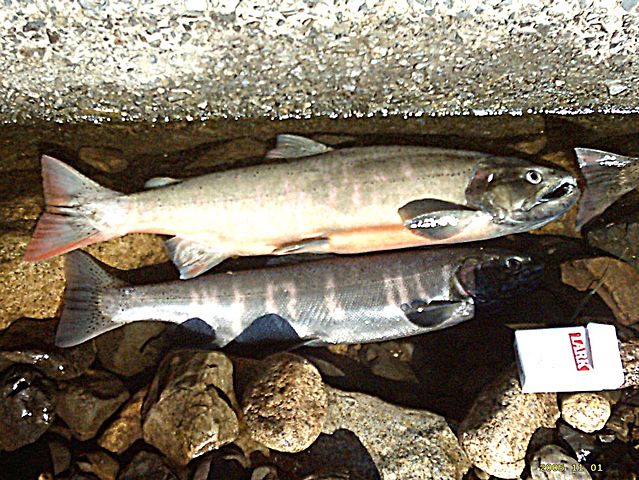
490	276
520	193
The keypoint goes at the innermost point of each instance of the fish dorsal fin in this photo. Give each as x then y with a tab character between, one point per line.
160	182
294	146
192	258
607	179
437	219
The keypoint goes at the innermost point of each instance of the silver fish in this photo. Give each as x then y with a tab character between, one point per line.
608	177
351	299
352	200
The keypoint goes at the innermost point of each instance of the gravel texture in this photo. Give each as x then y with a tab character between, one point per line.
160	60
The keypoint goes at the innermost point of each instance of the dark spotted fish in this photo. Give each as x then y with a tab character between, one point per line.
353	299
351	200
608	177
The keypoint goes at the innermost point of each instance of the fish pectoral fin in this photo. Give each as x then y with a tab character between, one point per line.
436	219
273	331
192	258
160	182
294	146
309	245
435	313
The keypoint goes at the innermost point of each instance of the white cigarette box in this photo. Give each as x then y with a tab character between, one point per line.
569	359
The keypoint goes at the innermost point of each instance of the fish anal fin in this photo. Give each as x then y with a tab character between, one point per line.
192	258
436	219
436	313
310	245
294	146
158	182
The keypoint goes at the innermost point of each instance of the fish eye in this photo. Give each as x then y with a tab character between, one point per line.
533	176
513	264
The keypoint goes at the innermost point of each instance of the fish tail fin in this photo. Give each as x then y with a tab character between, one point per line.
67	223
608	177
84	314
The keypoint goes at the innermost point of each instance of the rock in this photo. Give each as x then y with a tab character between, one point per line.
228	463
551	463
339	455
86	402
127	427
587	411
230	152
390	360
265	473
620	239
532	145
147	465
403	443
189	408
285	406
630	360
100	464
131	251
60	455
27	407
105	159
30	341
617	282
501	422
132	348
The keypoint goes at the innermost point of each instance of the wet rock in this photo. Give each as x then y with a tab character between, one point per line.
531	146
339	455
285	406
133	348
60	455
617	282
86	402
127	427
630	360
496	432
147	465
100	464
189	408
403	442
390	360
30	342
229	152
105	159
229	462
552	463
620	239
587	411
265	473
27	407
131	251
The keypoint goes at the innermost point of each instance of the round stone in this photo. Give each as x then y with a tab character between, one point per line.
285	406
587	412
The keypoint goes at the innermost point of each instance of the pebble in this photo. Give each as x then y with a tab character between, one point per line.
618	284
630	360
285	406
189	408
127	427
587	411
86	402
146	465
496	432
27	407
403	443
552	463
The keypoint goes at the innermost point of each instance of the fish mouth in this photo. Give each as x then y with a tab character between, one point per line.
560	191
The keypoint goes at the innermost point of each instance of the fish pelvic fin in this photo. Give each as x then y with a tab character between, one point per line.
608	177
67	223
84	315
192	258
294	146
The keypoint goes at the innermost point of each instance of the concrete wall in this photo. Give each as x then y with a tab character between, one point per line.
189	59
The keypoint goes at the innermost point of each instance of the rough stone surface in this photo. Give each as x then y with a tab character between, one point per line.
147	465
551	463
189	408
100	464
496	432
403	443
285	406
84	403
27	407
127	427
587	411
630	360
132	348
617	284
119	60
